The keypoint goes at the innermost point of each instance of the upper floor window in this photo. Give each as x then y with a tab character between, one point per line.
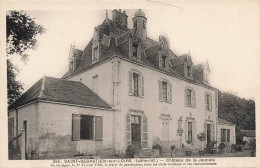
165	91
190	99
135	47
208	102
189	71
136	81
136	84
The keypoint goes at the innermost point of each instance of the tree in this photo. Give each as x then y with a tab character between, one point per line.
21	32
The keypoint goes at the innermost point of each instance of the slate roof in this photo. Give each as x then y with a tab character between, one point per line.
224	122
248	133
198	68
60	90
118	45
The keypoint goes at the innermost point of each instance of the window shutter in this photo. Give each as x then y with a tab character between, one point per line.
170	88
98	128
186	130
213	132
10	128
228	135
160	90
206	106
130	91
141	85
210	103
145	132
75	127
194	131
186	97
193	99
128	129
168	92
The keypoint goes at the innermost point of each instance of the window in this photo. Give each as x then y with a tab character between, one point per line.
135	46
136	84
163	61
208	101
136	81
95	84
95	56
189	131
225	135
86	127
144	24
190	99
135	23
165	91
189	71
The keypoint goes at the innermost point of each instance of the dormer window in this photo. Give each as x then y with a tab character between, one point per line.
189	71
164	61
135	46
95	55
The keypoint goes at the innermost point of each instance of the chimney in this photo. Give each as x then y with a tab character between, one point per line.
119	19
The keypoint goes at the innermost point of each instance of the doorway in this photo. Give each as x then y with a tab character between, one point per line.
208	133
136	130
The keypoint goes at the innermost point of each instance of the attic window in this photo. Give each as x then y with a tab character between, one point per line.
163	61
135	46
95	56
189	71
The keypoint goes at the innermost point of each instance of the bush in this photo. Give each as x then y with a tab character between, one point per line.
131	151
210	146
157	146
233	148
240	148
252	147
221	146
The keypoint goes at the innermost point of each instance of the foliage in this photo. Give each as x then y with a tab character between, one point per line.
172	147
221	146
14	87
189	142
132	150
202	136
157	146
252	147
210	146
21	31
240	147
233	148
237	110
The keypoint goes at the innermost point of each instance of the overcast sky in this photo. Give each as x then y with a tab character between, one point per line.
225	34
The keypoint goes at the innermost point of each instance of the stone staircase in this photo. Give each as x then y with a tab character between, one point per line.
145	153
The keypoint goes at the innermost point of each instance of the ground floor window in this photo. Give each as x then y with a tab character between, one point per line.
165	129
225	135
86	127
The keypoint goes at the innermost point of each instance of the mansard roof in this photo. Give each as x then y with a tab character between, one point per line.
61	91
114	42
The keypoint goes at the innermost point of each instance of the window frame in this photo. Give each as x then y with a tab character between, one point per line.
93	128
136	84
95	54
190	129
135	50
189	97
164	91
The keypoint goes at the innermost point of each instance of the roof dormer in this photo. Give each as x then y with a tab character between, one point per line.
201	73
163	53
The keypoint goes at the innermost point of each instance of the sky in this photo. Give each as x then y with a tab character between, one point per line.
227	35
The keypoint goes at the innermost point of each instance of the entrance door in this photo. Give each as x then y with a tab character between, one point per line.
136	130
208	132
25	129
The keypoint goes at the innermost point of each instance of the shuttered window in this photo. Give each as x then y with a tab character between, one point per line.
228	135
190	98
136	84
165	91
208	102
87	127
189	131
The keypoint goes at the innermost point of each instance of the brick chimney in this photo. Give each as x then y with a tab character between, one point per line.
119	19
